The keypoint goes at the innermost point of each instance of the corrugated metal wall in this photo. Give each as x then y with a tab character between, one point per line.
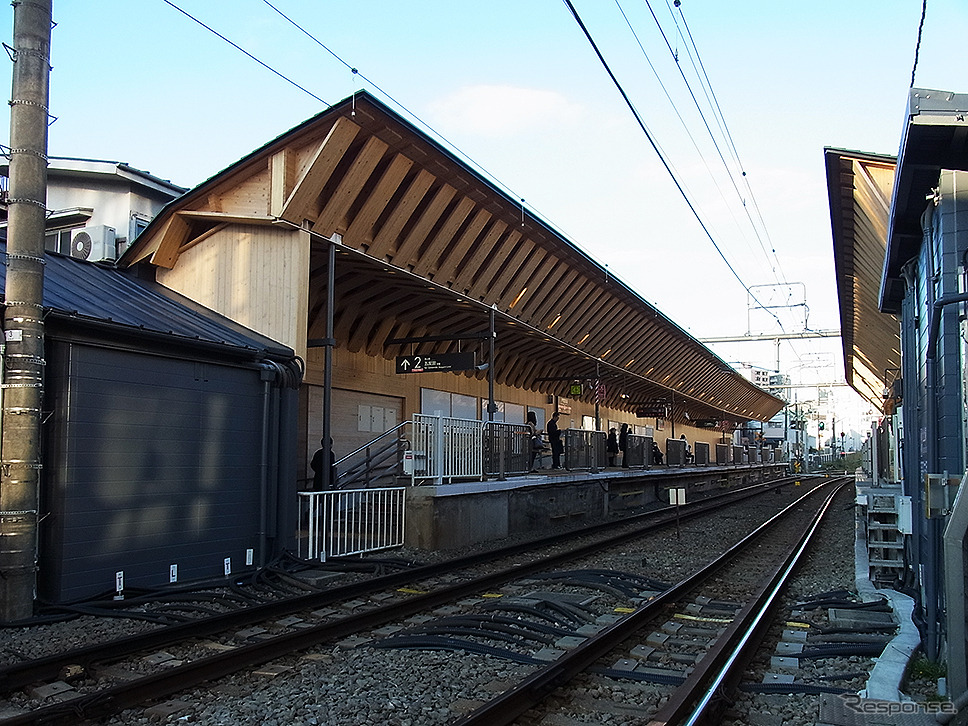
151	462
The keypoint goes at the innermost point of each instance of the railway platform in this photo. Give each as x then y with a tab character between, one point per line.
462	514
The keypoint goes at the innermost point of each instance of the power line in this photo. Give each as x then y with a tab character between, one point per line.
917	47
243	50
682	120
729	138
655	147
706	85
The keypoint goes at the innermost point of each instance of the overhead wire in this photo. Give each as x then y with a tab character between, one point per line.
729	138
662	159
243	50
917	47
675	108
706	86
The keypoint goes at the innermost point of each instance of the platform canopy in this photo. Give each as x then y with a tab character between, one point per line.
859	192
428	247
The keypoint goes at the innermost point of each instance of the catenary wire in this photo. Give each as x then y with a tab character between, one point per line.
721	122
729	138
243	50
662	159
682	120
917	47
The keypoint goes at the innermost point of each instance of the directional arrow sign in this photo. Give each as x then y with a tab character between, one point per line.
435	362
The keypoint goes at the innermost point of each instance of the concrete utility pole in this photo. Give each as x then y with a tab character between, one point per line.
23	374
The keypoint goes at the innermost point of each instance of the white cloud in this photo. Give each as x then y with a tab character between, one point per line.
499	110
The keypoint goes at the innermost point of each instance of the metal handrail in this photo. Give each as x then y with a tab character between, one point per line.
383	460
381	436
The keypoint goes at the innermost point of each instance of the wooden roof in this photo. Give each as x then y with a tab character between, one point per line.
429	246
859	190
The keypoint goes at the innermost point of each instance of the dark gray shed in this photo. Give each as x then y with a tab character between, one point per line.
169	437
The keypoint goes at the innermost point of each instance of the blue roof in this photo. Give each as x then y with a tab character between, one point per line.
101	294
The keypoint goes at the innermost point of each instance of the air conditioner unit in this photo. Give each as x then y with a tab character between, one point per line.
94	243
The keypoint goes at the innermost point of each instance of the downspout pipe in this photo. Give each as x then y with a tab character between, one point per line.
932	636
934	329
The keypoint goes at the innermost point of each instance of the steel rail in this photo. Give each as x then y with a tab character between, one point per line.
18	675
505	708
114	699
724	663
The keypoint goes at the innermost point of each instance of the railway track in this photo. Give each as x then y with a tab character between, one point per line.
717	655
424	591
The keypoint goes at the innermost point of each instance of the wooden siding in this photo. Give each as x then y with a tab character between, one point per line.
257	276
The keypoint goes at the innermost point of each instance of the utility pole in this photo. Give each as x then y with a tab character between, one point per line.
23	324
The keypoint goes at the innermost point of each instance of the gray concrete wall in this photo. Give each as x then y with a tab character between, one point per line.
459	515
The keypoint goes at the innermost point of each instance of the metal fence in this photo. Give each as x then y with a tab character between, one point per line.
350	521
638	451
584	449
446	448
507	448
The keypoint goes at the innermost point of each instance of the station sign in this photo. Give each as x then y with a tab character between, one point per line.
436	362
706	423
653	409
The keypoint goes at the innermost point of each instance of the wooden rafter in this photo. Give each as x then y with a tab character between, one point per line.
336	207
318	171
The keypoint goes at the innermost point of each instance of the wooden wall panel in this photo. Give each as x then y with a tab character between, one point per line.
257	276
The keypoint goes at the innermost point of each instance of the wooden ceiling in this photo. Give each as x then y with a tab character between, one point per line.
428	247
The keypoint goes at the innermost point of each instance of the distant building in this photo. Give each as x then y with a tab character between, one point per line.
96	208
757	376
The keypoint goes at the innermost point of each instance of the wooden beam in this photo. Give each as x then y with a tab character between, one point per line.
349	187
520	274
470	268
318	170
360	230
431	254
202	237
447	267
545	286
497	262
387	235
554	302
407	250
227	218
282	176
169	240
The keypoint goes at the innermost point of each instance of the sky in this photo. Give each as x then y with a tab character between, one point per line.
718	235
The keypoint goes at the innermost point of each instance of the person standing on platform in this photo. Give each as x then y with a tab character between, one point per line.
623	445
319	462
611	446
534	439
656	453
554	438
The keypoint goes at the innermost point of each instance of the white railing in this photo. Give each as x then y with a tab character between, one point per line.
446	448
350	521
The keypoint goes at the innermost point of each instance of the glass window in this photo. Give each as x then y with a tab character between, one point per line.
539	414
463	406
432	401
513	413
